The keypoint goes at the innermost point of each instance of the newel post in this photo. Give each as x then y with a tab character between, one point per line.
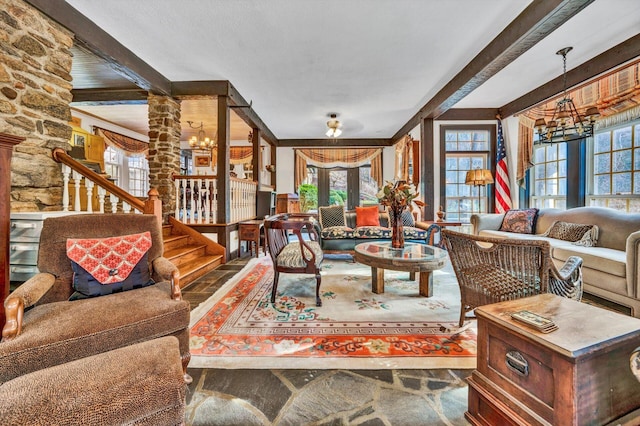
7	143
153	204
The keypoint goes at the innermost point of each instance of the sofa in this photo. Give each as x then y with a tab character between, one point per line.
610	249
339	230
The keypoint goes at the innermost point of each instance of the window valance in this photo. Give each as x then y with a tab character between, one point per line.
330	157
241	154
128	146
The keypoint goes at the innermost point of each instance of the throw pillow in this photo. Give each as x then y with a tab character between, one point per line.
367	216
406	217
522	221
108	265
331	216
578	233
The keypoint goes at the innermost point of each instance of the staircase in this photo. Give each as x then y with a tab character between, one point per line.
193	256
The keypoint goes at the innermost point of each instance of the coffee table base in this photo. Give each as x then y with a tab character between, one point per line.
425	277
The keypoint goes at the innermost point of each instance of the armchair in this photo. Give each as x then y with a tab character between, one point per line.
491	270
296	257
44	328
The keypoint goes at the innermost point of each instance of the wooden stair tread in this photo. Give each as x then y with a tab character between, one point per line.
179	251
170	238
199	263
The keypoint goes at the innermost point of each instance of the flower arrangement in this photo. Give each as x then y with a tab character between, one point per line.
398	195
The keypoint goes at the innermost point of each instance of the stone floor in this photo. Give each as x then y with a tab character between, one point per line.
319	397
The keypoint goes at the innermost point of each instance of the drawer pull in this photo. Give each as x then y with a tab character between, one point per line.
18	247
23	225
23	270
516	363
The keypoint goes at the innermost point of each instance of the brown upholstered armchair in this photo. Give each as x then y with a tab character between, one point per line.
45	329
492	270
296	257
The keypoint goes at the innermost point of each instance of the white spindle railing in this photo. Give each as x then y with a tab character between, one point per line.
197	199
79	198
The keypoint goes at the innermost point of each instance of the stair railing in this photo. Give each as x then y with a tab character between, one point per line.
119	200
197	199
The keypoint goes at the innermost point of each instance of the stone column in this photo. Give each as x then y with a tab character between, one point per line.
35	92
164	148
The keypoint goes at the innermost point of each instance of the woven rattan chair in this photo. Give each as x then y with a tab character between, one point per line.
303	256
491	270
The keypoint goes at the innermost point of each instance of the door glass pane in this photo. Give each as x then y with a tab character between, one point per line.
338	187
368	187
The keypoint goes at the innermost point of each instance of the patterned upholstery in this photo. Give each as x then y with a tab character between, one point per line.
291	255
406	216
336	232
373	232
331	216
522	221
413	233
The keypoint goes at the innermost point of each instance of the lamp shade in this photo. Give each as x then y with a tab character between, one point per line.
478	177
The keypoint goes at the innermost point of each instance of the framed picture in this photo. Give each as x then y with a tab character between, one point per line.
78	139
202	161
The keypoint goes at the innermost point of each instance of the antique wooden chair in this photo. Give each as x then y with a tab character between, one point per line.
302	256
491	270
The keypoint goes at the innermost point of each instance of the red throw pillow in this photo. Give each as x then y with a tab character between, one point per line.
367	216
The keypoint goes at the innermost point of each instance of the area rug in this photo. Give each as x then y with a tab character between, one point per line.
354	328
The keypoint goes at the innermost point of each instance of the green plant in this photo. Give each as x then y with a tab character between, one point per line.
338	197
308	197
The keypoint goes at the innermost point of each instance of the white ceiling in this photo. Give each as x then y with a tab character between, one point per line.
373	62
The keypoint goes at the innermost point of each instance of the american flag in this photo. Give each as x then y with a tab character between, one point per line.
503	193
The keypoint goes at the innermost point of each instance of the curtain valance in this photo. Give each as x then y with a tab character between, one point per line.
327	158
241	154
129	146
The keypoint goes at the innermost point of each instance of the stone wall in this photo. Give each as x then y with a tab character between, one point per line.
164	148
35	92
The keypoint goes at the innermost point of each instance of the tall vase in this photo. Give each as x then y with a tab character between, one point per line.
397	231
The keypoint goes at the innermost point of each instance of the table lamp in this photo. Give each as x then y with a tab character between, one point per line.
479	178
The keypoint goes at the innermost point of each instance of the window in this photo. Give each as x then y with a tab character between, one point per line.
465	148
138	176
129	173
343	186
615	177
549	177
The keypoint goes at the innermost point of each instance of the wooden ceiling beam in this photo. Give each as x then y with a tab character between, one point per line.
108	96
99	42
606	61
246	112
334	143
468	114
200	88
537	21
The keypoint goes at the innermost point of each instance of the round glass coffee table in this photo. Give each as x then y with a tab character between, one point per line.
414	257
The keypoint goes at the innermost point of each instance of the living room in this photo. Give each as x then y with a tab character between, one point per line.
74	69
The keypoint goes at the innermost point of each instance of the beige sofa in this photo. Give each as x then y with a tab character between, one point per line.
611	269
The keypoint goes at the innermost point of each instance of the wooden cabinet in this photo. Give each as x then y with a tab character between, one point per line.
87	147
251	231
576	375
287	203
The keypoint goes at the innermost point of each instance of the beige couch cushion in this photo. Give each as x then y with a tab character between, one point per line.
599	258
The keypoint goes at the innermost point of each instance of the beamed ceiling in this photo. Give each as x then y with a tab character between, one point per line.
381	65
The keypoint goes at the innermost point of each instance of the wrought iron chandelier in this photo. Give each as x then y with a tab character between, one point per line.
566	124
201	142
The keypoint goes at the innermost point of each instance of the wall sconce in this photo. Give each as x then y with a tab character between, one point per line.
270	168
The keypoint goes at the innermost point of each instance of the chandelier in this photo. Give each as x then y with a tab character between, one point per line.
334	126
566	124
201	142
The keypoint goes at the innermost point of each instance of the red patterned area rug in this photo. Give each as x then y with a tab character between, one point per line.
354	328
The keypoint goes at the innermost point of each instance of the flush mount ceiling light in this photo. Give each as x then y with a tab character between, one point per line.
566	124
201	142
334	126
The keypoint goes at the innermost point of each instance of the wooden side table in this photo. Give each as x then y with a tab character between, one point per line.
445	223
250	230
576	375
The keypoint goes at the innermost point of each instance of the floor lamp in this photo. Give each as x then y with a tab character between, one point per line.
479	178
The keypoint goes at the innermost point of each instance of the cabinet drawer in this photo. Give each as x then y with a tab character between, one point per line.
23	253
22	272
249	233
25	230
522	369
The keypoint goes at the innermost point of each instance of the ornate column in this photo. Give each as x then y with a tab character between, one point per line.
164	149
7	143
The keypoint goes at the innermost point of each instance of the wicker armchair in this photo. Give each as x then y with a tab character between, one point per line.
491	270
295	257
